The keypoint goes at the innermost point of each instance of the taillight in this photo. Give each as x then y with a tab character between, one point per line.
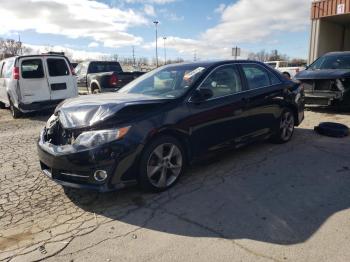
72	70
15	73
113	80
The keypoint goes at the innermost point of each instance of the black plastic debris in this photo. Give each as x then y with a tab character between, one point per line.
332	129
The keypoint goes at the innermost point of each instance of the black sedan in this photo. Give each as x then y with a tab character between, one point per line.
327	81
152	128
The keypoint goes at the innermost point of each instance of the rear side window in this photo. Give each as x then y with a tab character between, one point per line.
57	67
274	79
32	68
223	81
257	76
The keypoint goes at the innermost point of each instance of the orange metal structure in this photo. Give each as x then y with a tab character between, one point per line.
325	8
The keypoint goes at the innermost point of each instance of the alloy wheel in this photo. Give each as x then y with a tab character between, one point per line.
164	165
287	126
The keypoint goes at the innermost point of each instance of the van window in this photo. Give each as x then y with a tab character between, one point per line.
32	68
57	67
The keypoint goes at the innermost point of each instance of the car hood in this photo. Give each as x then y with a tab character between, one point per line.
86	111
323	74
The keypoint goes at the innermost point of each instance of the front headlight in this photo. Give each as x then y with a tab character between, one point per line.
99	137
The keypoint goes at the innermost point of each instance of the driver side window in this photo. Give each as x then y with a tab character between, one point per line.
223	81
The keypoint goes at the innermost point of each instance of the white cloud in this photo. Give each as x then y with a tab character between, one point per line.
93	45
149	10
72	18
249	21
73	54
159	2
175	17
220	9
245	22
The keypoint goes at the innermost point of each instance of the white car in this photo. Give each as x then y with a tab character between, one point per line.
35	82
285	68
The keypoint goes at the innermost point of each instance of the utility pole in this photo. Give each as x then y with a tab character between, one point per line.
20	43
164	38
156	24
195	55
133	56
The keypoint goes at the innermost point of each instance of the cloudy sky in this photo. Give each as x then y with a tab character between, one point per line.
90	28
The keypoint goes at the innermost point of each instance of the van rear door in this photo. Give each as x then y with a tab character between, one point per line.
61	81
32	82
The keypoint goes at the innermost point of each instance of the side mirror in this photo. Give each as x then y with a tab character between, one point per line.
202	94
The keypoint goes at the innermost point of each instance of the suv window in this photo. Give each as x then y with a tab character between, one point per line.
223	81
257	76
32	68
57	67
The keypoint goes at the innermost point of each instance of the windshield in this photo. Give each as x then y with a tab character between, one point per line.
166	82
101	67
332	62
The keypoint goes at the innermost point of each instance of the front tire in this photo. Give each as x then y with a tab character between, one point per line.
14	111
96	91
286	127
162	163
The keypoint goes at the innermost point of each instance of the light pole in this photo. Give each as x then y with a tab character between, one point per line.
156	24
164	38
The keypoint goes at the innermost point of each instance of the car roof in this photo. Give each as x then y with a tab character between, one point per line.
338	53
211	63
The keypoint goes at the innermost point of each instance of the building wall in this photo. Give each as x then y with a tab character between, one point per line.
347	39
331	37
327	36
325	8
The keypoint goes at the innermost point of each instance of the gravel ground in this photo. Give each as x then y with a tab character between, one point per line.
262	203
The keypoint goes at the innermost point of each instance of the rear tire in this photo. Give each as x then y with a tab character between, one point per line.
286	127
14	111
95	89
162	163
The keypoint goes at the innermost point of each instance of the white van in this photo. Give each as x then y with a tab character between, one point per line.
35	82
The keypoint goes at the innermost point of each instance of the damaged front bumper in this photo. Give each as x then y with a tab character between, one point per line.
76	169
326	92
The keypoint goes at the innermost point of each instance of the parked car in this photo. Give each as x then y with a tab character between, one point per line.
103	76
327	80
286	68
152	128
35	82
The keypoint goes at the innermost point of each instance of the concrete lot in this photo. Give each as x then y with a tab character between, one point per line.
262	203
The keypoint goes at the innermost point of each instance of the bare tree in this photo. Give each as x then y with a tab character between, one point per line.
10	47
264	56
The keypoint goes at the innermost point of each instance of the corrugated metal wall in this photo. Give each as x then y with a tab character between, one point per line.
325	8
